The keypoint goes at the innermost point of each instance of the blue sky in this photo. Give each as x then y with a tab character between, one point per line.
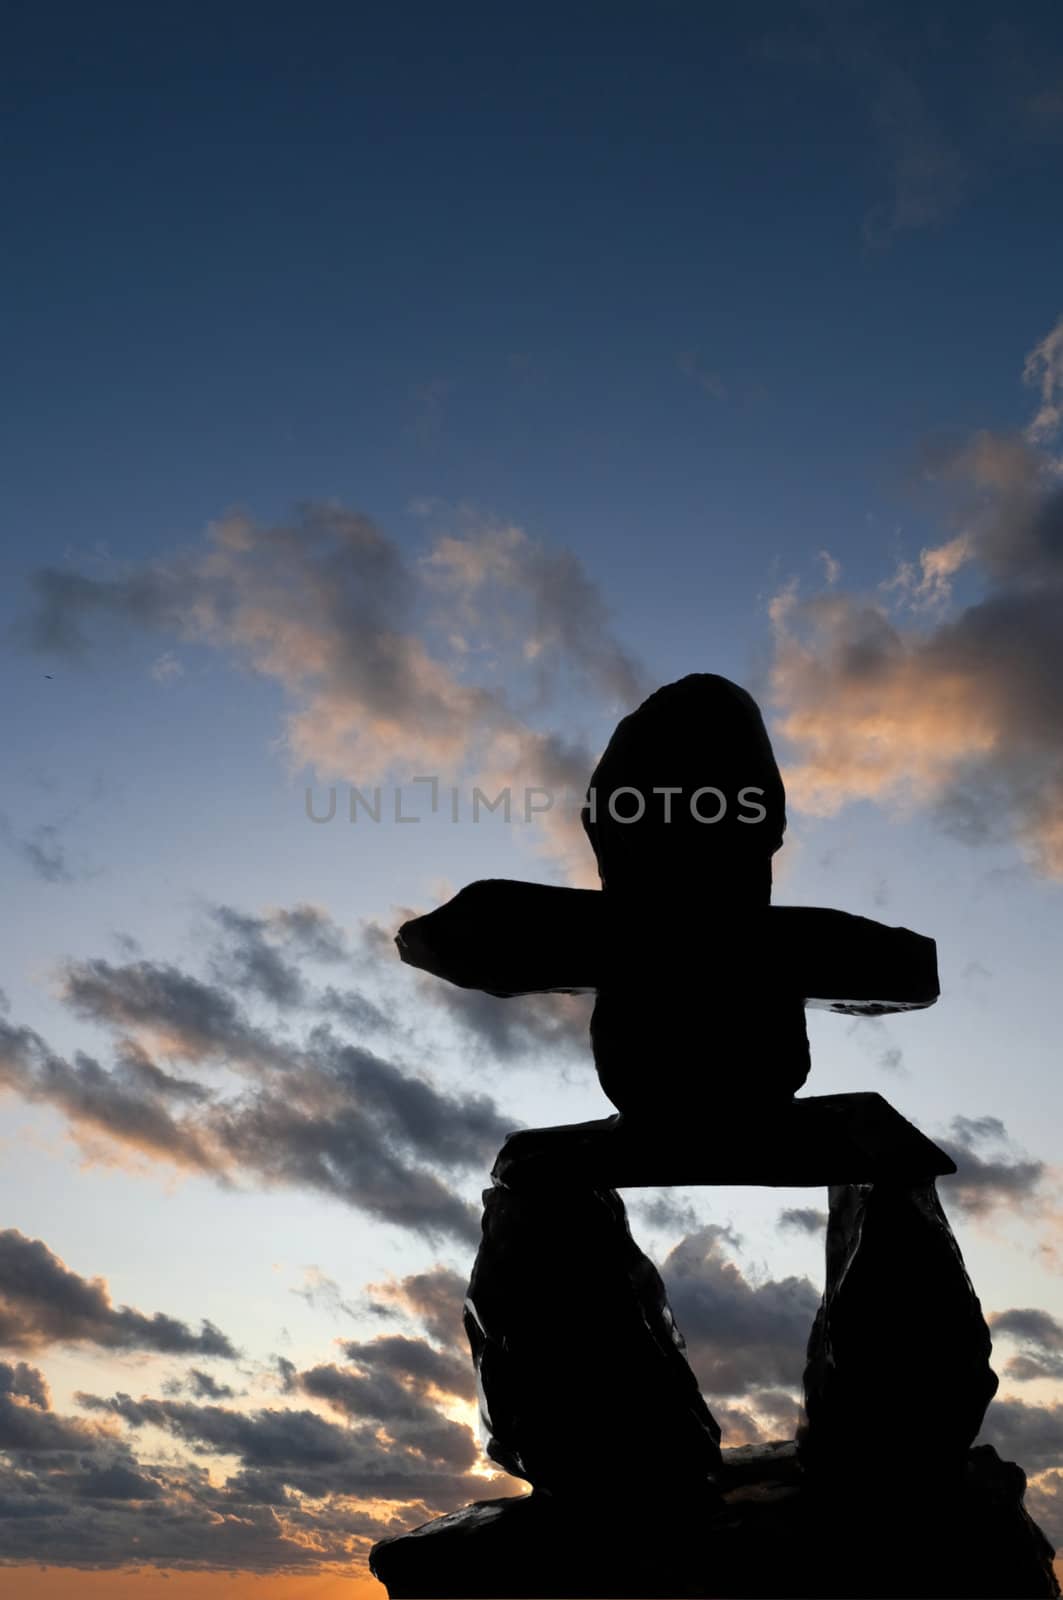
645	340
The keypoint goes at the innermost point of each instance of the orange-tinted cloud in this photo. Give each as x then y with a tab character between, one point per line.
389	667
902	698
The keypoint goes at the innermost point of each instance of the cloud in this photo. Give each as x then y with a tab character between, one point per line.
397	1441
704	376
42	849
927	176
358	1458
323	1293
1032	1435
250	962
832	567
1044	371
260	955
549	1027
205	1387
27	1422
353	1009
990	1172
167	667
435	1299
802	1219
125	1105
903	698
400	1384
548	603
1039	1337
305	1493
46	854
322	1114
742	1336
176	1014
544	1024
1044	1502
42	1302
665	1211
328	609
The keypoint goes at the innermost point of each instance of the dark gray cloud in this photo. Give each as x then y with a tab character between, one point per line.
359	1129
125	1105
1032	1435
551	1025
46	854
308	1453
43	1302
393	1381
352	1009
261	955
42	849
435	1299
202	1386
802	1219
742	1336
417	1363
990	1172
184	1016
74	1493
247	960
325	1116
547	1027
1039	1337
27	1422
27	1382
310	933
664	1211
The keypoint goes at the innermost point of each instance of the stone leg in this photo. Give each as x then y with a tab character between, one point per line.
898	1359
584	1388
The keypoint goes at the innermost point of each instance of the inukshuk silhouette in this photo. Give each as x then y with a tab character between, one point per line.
699	1040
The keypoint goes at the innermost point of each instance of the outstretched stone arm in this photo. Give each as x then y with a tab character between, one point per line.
509	938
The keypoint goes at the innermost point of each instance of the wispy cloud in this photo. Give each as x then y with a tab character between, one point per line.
373	652
990	1172
698	371
958	710
320	1114
926	174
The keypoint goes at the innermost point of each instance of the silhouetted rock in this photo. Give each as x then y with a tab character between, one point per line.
508	938
772	1533
687	798
811	1141
581	1369
899	1348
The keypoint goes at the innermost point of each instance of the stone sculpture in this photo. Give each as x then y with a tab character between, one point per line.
699	1040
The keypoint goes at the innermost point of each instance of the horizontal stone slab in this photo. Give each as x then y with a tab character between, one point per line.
509	938
815	1141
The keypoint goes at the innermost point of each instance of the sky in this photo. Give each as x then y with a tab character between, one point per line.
404	394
